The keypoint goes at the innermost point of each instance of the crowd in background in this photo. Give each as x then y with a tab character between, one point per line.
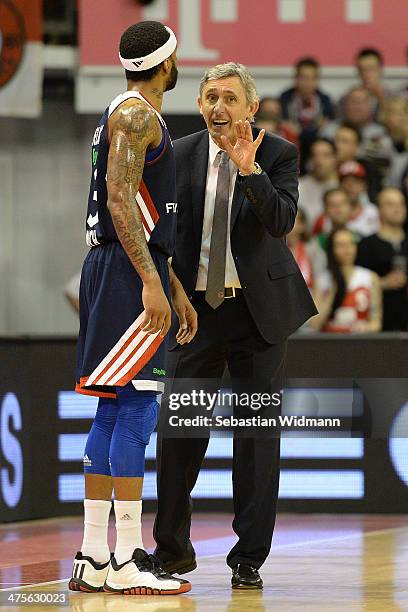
350	236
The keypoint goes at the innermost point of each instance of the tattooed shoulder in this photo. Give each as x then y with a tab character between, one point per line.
138	121
134	129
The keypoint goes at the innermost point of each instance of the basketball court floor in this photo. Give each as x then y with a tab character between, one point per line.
319	563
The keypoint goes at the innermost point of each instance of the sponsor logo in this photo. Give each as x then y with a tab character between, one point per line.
86	461
12	37
126	517
137	64
97	135
159	371
171	207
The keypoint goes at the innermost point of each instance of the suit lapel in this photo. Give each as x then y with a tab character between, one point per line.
198	173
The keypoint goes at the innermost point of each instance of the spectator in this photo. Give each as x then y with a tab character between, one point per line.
386	253
297	242
310	258
323	176
306	107
364	216
348	145
337	213
369	64
347	140
394	116
352	300
356	111
269	118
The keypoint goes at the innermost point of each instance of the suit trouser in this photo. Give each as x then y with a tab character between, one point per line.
226	336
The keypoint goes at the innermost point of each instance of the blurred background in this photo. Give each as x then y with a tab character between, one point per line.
333	79
334	70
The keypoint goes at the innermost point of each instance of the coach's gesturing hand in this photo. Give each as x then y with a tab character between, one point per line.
157	308
243	151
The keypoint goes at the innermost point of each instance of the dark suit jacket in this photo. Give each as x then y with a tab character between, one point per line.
263	212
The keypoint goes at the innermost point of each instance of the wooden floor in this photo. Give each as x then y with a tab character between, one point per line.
318	564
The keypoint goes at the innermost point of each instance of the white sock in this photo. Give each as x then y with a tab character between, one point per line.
96	519
128	529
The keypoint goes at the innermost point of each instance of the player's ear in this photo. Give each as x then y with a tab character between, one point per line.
167	65
200	105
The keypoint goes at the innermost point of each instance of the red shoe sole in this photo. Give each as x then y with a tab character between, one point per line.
74	586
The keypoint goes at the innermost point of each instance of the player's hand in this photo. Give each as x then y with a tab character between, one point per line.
157	308
244	150
187	316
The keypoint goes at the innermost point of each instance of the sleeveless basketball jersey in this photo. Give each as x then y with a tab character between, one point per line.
156	198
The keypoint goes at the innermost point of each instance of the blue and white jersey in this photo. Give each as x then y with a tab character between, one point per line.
157	195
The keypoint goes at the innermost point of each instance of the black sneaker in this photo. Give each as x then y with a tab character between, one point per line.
246	577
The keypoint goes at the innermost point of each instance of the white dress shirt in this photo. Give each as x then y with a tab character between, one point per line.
231	275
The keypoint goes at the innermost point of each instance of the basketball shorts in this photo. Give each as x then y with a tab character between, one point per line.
112	349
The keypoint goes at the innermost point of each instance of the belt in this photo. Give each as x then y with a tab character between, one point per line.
229	292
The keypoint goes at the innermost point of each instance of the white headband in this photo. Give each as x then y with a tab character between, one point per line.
153	59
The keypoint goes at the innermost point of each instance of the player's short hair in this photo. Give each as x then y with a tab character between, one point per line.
231	69
306	62
139	40
370	51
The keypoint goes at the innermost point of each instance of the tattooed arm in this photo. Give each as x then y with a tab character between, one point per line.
133	129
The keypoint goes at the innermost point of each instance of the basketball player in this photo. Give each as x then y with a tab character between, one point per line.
125	313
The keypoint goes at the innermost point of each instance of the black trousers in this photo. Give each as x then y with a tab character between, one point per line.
226	336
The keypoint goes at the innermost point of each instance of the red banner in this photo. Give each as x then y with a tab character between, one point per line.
257	33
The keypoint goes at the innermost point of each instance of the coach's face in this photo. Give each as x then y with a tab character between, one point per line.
222	103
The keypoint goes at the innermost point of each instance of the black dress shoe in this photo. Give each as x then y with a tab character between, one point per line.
246	577
178	566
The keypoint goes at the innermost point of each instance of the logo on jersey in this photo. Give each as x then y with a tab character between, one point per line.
91	238
87	461
159	371
171	207
92	220
97	136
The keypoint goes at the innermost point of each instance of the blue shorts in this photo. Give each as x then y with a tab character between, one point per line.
112	349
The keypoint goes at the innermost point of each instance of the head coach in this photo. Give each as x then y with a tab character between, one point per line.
237	191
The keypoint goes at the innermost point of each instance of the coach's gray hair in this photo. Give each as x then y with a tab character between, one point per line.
222	71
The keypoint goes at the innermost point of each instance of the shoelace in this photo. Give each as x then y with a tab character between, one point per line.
157	568
151	564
